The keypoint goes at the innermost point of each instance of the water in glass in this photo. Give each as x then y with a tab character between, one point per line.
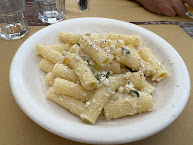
13	23
50	11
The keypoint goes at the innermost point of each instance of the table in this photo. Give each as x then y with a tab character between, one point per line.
16	128
186	24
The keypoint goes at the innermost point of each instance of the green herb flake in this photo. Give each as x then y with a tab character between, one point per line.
107	74
134	93
125	50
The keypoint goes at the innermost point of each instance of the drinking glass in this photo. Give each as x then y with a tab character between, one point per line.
13	23
50	11
190	12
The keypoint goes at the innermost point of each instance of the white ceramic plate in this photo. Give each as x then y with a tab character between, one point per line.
28	87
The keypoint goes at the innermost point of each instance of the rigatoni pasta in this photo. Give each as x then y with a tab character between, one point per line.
101	57
160	72
128	105
77	50
100	97
46	65
129	39
64	72
115	67
131	58
61	47
49	53
69	37
49	79
116	43
73	105
62	86
83	72
91	74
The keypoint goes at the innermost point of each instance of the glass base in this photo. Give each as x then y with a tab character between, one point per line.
14	35
189	15
49	17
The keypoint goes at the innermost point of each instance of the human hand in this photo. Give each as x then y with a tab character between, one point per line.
166	7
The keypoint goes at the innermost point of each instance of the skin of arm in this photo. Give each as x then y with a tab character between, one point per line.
166	7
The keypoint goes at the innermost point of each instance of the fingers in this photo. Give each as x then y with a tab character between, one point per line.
161	7
179	7
167	10
166	7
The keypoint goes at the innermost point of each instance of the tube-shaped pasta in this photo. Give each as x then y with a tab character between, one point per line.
83	72
139	81
132	59
49	53
46	65
65	87
100	97
116	43
115	67
100	40
94	51
64	72
128	105
129	39
49	79
148	88
88	74
133	50
73	105
69	37
117	95
160	72
61	47
77	50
